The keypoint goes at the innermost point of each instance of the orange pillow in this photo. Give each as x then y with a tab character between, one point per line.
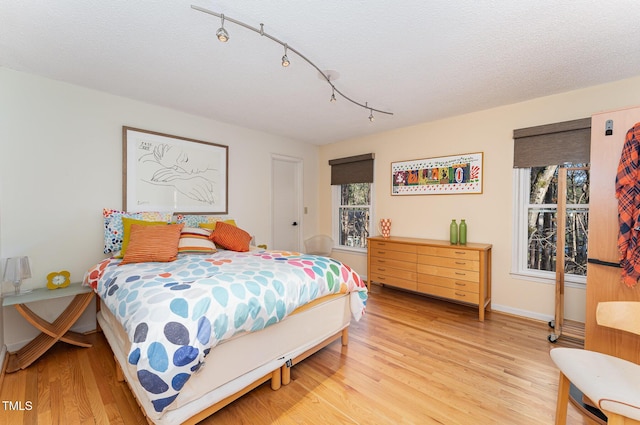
126	233
231	237
152	243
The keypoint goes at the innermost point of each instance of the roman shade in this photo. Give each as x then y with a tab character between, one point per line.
352	169
552	144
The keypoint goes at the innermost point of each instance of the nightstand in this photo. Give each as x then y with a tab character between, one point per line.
50	332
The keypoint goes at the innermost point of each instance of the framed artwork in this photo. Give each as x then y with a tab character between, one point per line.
449	175
170	173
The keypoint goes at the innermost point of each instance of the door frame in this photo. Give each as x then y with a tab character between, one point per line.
298	193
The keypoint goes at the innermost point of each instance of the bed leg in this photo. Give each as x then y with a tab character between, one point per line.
345	336
119	373
285	374
276	379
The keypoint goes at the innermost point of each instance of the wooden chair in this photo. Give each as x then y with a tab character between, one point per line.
613	384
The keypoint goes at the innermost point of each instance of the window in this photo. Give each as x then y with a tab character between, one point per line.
352	221
537	221
352	189
551	172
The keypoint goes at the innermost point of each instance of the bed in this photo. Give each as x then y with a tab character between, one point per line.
191	335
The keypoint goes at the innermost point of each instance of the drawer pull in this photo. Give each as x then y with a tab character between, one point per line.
380	269
461	263
460	252
458	294
382	252
461	274
460	284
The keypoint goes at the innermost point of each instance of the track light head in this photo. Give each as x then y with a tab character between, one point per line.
222	33
371	117
333	97
285	59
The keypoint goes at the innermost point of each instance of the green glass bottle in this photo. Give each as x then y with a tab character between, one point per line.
453	232
462	234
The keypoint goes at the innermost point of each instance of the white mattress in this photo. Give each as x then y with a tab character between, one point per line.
238	362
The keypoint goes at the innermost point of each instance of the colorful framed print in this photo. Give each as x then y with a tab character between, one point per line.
447	175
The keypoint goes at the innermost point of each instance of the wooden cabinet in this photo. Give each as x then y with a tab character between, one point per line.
460	273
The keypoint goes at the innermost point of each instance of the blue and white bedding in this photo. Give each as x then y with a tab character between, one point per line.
174	313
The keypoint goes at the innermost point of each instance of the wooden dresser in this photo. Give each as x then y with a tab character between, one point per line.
460	273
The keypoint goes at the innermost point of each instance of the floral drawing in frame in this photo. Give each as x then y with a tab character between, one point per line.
162	172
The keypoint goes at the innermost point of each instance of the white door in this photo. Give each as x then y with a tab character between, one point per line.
286	202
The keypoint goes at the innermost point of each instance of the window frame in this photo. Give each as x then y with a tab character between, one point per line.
521	181
335	218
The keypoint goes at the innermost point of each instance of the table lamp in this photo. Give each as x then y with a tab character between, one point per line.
15	270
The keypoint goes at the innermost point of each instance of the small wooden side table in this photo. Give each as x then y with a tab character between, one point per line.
50	332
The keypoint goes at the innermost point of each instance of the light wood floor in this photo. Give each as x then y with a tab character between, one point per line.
410	360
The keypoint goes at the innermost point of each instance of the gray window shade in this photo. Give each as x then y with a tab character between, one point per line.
353	169
552	144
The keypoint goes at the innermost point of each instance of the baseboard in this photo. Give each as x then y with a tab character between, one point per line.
522	313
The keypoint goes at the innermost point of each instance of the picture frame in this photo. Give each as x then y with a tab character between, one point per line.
446	175
162	172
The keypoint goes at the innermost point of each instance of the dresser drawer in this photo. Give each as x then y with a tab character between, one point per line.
395	280
393	246
452	263
393	255
454	294
386	262
459	253
462	285
470	276
389	271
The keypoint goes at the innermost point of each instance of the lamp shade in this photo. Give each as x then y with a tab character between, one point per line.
16	269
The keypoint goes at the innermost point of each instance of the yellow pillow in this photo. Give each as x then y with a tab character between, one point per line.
126	234
153	244
212	226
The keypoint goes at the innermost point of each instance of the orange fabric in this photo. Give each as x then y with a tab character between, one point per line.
126	234
153	243
231	237
628	194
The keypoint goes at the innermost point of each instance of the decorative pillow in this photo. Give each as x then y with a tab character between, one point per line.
212	226
191	220
113	227
231	237
194	240
152	243
126	226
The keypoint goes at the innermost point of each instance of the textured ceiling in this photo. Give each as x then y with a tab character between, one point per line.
421	59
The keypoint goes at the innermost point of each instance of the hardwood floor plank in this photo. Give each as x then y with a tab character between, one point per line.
410	360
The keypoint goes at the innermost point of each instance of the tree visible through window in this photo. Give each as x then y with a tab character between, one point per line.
542	214
354	212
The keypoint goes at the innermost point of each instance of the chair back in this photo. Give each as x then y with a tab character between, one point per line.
319	245
622	315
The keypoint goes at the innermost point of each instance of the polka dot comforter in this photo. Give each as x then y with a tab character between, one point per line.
174	313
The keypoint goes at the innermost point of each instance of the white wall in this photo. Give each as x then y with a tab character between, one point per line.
61	163
489	215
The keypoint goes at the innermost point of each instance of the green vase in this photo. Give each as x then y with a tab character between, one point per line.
462	233
453	233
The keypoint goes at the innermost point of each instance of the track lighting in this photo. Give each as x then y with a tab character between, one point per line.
333	89
224	37
222	33
285	59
